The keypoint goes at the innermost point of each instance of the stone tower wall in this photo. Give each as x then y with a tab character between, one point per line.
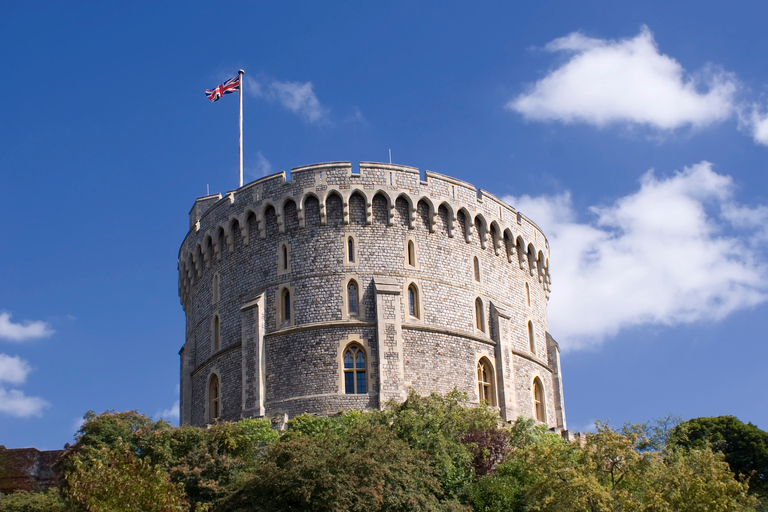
270	366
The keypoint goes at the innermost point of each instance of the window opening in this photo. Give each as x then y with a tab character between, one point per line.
480	320
213	399
531	340
485	381
354	371
351	249
477	269
285	257
413	301
216	288
352	298
527	295
286	305
538	400
411	254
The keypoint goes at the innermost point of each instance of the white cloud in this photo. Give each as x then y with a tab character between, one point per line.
171	414
24	330
754	120
15	403
262	167
678	250
13	369
298	97
629	80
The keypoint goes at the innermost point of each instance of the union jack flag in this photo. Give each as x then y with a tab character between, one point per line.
230	86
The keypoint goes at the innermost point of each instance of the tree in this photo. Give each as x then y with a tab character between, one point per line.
24	501
362	468
744	446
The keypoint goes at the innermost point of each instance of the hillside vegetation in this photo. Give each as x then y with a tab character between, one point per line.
435	453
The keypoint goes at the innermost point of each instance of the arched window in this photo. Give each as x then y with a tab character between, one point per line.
485	381
531	339
527	295
477	269
286	305
352	298
355	382
351	249
538	400
213	399
411	254
479	314
216	333
285	257
215	288
413	301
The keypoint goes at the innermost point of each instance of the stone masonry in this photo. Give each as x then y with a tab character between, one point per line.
427	279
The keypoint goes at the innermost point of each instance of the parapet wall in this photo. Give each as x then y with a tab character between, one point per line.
446	279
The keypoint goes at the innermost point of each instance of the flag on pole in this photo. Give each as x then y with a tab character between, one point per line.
228	87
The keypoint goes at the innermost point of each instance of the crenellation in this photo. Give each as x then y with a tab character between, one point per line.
282	256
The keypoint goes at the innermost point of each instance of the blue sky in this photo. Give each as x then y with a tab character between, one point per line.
634	133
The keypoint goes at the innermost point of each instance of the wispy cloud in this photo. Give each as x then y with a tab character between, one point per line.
22	331
680	249
754	120
15	403
297	97
171	415
626	81
13	369
261	168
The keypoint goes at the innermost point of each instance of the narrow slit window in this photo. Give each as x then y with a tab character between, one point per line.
213	399
216	288
538	400
285	257
411	254
477	269
479	316
527	295
531	339
286	305
351	249
352	298
413	301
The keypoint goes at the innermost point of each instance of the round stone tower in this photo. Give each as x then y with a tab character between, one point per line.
343	290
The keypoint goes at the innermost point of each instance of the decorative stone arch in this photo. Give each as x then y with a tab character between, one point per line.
346	312
216	343
390	208
261	218
219	235
344	343
301	205
540	266
520	248
531	254
486	379
509	244
411	217
482	229
366	202
450	219
469	224
324	207
198	259
495	231
281	219
431	212
283	258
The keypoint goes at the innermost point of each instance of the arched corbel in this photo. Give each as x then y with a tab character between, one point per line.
323	215
368	212
261	225
280	220
300	215
345	210
242	221
391	215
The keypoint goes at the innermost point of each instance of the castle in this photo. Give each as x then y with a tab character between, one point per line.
343	290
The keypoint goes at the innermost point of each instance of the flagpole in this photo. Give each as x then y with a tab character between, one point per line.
241	73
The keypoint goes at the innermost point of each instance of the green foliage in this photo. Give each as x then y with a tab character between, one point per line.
365	468
23	501
114	479
744	446
437	424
